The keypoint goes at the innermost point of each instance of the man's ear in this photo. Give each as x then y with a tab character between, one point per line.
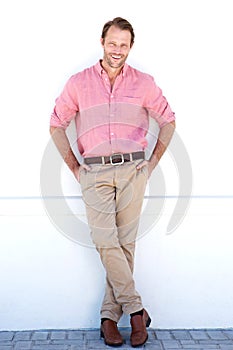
102	42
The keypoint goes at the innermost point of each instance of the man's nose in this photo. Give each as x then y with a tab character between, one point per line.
117	49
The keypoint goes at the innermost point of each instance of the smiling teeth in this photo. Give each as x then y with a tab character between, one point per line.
116	56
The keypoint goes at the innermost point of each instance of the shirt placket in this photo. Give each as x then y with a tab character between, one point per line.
112	118
112	110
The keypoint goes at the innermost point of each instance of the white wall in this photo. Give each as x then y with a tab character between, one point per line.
48	279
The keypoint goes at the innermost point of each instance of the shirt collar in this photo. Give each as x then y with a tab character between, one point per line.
100	70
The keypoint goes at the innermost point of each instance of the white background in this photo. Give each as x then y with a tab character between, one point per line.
186	46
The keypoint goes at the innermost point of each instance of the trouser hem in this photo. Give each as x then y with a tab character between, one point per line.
110	316
131	310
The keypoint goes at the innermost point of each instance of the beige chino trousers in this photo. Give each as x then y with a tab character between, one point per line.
113	195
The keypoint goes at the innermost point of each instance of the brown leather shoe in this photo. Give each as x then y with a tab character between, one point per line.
139	333
111	334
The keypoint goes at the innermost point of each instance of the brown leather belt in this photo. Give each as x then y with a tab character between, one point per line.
115	159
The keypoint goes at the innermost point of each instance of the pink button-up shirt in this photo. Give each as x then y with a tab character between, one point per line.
111	120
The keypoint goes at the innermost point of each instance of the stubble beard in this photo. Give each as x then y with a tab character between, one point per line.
108	59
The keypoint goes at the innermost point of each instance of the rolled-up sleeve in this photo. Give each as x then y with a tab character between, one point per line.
66	105
157	105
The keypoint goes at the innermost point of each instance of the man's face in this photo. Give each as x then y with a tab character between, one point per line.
116	47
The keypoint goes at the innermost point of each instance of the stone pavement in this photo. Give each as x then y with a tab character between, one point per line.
90	339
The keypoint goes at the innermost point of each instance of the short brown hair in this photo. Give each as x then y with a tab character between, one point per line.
121	23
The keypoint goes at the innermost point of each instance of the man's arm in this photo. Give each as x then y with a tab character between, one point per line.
63	145
164	138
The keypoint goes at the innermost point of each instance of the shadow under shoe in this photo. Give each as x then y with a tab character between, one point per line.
139	333
111	334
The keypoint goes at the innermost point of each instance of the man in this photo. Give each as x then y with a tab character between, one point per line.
111	103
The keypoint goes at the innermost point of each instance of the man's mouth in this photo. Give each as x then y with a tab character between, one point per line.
116	57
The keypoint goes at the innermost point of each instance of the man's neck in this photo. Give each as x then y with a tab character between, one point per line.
112	72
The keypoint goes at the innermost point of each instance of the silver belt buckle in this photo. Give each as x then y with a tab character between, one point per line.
117	156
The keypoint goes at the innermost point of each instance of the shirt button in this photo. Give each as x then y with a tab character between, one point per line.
112	133
112	96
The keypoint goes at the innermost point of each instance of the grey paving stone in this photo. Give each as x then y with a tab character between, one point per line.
171	344
226	342
50	347
154	342
228	333
125	346
216	334
163	335
151	334
181	334
58	335
67	342
41	342
6	347
6	335
199	334
76	334
24	335
187	342
23	345
92	335
93	344
212	341
40	335
152	346
78	347
201	346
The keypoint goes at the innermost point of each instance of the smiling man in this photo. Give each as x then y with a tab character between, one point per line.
116	45
111	103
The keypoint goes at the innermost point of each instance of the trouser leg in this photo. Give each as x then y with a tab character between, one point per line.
113	197
110	307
